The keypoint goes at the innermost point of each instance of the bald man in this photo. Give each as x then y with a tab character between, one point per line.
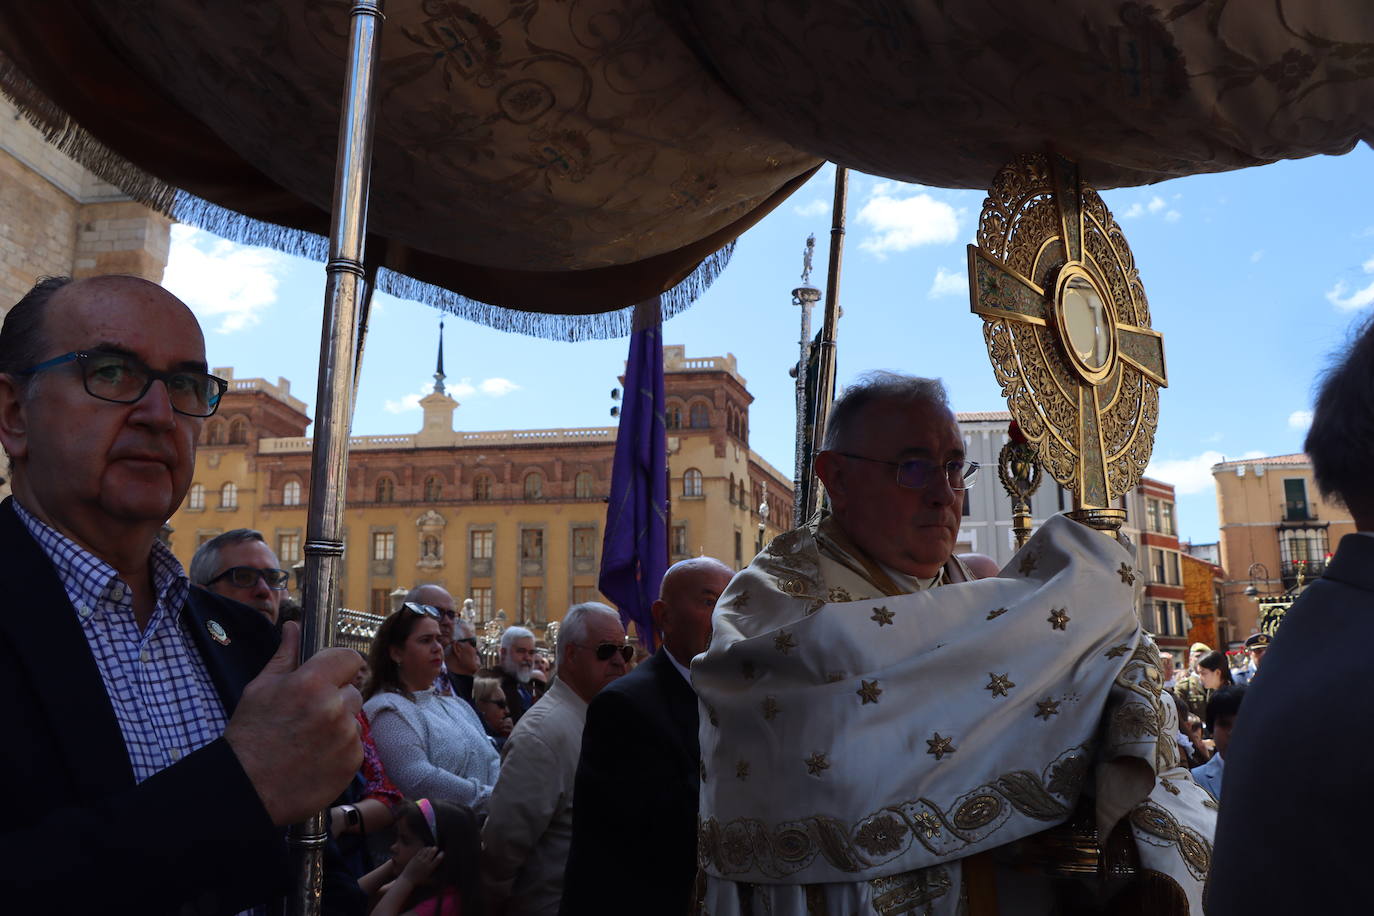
640	760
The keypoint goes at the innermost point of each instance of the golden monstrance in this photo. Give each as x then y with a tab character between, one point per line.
1068	331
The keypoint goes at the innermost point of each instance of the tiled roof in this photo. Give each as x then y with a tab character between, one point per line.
975	416
1299	458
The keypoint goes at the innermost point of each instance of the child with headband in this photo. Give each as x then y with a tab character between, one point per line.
433	866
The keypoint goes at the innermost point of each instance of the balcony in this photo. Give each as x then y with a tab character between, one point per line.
1310	569
1296	512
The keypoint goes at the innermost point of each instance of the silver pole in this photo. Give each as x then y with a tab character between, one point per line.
825	360
804	296
345	290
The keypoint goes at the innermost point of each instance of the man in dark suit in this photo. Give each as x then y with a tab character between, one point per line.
634	823
1296	806
157	738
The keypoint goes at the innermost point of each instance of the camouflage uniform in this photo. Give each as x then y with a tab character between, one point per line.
1190	690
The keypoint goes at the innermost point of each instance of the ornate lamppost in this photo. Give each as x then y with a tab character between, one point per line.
805	296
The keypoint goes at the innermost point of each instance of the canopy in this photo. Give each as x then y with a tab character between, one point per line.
574	158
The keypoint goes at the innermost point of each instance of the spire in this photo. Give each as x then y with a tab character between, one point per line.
439	369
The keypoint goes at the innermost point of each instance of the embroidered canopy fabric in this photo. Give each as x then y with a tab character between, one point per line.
867	742
575	158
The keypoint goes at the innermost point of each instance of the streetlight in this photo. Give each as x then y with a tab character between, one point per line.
1251	590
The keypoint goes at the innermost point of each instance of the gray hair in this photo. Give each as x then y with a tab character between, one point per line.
1340	441
487	688
510	634
463	629
205	564
879	385
576	623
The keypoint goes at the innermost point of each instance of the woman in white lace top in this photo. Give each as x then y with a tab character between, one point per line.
432	746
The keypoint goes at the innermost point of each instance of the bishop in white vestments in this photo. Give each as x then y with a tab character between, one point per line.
881	735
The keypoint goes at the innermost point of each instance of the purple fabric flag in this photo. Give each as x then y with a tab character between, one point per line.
634	555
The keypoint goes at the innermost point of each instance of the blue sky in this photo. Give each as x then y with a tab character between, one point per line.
1256	278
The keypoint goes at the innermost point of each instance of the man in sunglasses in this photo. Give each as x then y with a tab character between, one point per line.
238	564
879	727
148	721
530	816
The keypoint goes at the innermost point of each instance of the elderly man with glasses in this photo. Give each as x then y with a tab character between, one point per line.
147	721
883	732
238	564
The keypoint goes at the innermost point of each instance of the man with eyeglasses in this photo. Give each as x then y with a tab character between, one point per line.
238	564
883	731
147	721
528	831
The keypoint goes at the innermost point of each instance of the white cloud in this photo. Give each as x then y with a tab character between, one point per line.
1156	204
1256	255
899	223
464	388
1172	216
1341	297
947	283
815	207
228	286
1192	475
1134	210
1300	419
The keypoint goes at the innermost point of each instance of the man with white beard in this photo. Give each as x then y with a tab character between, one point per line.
516	668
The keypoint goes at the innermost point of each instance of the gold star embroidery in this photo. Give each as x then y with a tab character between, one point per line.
1059	619
784	642
739	602
1046	708
742	770
999	685
869	691
927	824
748	668
1028	563
882	616
1117	651
1127	574
994	614
770	708
816	763
939	747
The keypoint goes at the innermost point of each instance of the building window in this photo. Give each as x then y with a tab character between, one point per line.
434	489
481	602
584	543
532	544
1156	565
1175	573
582	485
700	417
288	548
691	482
1302	550
217	433
429	547
1295	500
381	601
386	489
481	488
739	550
732	488
229	496
531	602
483	544
383	545
291	493
674	418
238	431
1168	510
534	485
1152	511
196	500
679	540
584	593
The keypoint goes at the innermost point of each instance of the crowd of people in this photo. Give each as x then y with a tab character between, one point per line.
861	721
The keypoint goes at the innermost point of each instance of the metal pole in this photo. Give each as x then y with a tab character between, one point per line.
345	290
804	296
825	374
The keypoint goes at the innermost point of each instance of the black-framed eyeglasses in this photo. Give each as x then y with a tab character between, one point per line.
422	610
917	473
471	641
124	379
247	577
606	649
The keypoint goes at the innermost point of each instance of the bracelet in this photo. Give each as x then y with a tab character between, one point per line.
353	817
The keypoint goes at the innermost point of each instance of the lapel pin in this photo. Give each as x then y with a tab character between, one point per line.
217	632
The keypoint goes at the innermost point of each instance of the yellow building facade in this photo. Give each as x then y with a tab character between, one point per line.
1275	525
513	519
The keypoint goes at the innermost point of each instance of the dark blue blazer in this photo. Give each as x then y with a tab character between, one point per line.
1297	810
78	835
635	799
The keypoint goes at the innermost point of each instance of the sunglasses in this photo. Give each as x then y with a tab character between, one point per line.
471	641
423	610
606	649
247	577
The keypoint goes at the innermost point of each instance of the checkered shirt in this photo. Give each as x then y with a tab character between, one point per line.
157	682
